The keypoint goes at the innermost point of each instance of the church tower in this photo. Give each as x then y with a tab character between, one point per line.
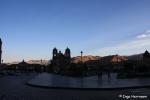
0	51
55	52
67	53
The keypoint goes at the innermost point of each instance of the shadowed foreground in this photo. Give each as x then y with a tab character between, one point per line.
91	82
15	88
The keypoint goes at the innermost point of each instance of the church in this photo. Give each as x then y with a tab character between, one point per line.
59	60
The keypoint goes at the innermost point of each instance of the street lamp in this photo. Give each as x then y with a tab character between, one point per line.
81	55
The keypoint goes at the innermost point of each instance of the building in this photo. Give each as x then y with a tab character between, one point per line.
59	60
0	51
26	67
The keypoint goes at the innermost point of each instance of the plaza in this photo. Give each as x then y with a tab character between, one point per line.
14	87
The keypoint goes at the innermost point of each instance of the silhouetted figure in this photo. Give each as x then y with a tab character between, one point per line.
99	74
0	51
108	74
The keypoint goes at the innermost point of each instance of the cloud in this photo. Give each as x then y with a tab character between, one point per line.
145	34
139	44
130	45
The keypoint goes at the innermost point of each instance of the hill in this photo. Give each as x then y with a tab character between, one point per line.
135	57
85	58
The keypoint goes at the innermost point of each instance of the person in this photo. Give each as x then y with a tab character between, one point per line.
99	73
108	74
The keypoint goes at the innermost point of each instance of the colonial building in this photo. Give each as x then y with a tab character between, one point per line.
26	67
0	51
60	60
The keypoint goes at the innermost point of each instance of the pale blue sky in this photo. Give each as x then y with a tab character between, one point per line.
30	29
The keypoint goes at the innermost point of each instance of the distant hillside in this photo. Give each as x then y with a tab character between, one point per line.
135	57
85	58
77	59
42	62
113	58
12	63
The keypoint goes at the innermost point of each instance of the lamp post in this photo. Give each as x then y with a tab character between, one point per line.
0	51
81	55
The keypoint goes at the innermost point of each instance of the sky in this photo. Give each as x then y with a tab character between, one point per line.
30	29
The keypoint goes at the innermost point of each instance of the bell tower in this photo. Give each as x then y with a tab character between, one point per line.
0	51
55	52
67	53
